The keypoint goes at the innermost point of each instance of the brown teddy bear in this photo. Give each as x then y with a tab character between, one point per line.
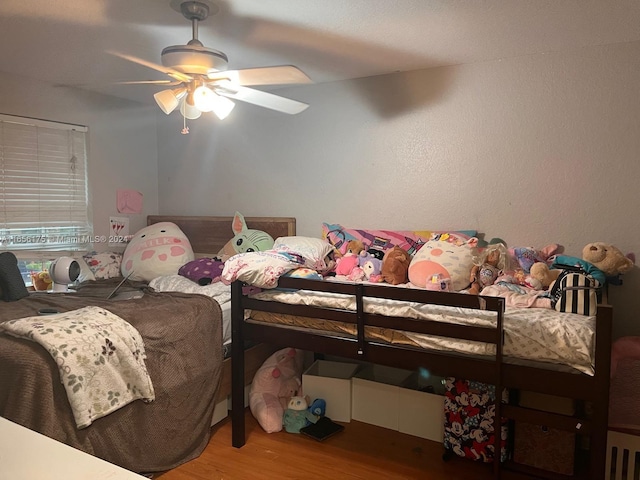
607	258
395	266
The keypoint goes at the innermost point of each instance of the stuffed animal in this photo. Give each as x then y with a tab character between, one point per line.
448	255
371	266
276	381
245	239
603	261
607	258
297	415
541	276
346	264
202	271
41	281
352	247
527	256
156	250
395	266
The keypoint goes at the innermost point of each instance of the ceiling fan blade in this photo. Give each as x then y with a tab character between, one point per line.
169	71
279	75
260	98
168	83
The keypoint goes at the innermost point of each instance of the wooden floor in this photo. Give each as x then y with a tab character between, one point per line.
361	451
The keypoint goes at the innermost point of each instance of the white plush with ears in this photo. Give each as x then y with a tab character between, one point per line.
157	250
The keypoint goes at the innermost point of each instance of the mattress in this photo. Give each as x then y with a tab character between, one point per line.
531	334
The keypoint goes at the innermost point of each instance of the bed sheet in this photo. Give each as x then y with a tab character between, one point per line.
537	334
218	291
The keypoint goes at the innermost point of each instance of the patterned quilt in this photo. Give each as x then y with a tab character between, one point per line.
100	358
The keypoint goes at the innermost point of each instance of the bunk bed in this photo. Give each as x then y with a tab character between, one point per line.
366	334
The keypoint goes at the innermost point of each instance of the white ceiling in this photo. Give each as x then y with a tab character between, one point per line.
65	41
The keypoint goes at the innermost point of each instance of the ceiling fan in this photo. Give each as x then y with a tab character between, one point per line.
200	81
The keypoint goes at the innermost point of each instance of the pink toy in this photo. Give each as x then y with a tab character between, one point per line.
447	255
344	265
276	381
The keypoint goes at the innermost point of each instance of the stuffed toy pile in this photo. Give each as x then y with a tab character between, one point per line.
602	261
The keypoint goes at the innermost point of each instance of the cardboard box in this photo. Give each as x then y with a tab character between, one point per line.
375	395
331	381
421	411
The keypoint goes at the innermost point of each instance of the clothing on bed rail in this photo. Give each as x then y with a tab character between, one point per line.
100	358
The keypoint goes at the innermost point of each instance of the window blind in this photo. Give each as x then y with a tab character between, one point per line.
44	201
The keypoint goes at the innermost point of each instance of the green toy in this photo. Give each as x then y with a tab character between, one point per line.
297	415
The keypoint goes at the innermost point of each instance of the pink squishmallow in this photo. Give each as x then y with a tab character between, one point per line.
156	250
447	256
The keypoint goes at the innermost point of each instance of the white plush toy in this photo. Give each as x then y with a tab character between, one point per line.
157	250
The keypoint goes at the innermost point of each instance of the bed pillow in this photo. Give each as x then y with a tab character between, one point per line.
103	265
383	240
260	269
448	256
12	285
314	250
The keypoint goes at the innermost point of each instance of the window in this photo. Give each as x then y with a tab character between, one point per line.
44	201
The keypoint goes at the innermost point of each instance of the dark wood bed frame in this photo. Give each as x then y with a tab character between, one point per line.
207	235
593	390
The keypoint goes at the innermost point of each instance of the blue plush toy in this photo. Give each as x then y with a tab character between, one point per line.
318	407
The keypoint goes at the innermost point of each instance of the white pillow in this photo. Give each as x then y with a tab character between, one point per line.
313	250
260	269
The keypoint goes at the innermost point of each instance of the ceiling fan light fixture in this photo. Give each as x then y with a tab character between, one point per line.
222	107
204	98
189	111
168	100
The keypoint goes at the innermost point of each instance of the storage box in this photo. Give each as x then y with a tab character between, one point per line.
546	448
542	447
375	395
421	410
331	381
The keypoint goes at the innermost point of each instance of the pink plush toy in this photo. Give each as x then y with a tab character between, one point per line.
276	381
345	265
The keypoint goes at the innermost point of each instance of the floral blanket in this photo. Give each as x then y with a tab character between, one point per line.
100	358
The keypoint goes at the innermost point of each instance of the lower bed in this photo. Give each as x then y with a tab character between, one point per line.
570	358
182	337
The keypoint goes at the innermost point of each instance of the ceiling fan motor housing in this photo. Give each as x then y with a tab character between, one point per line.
193	59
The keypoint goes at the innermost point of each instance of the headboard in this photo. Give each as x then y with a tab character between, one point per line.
208	235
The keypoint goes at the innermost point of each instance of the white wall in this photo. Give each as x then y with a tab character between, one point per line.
534	150
122	142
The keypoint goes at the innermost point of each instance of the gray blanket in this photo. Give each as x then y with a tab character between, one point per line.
183	341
